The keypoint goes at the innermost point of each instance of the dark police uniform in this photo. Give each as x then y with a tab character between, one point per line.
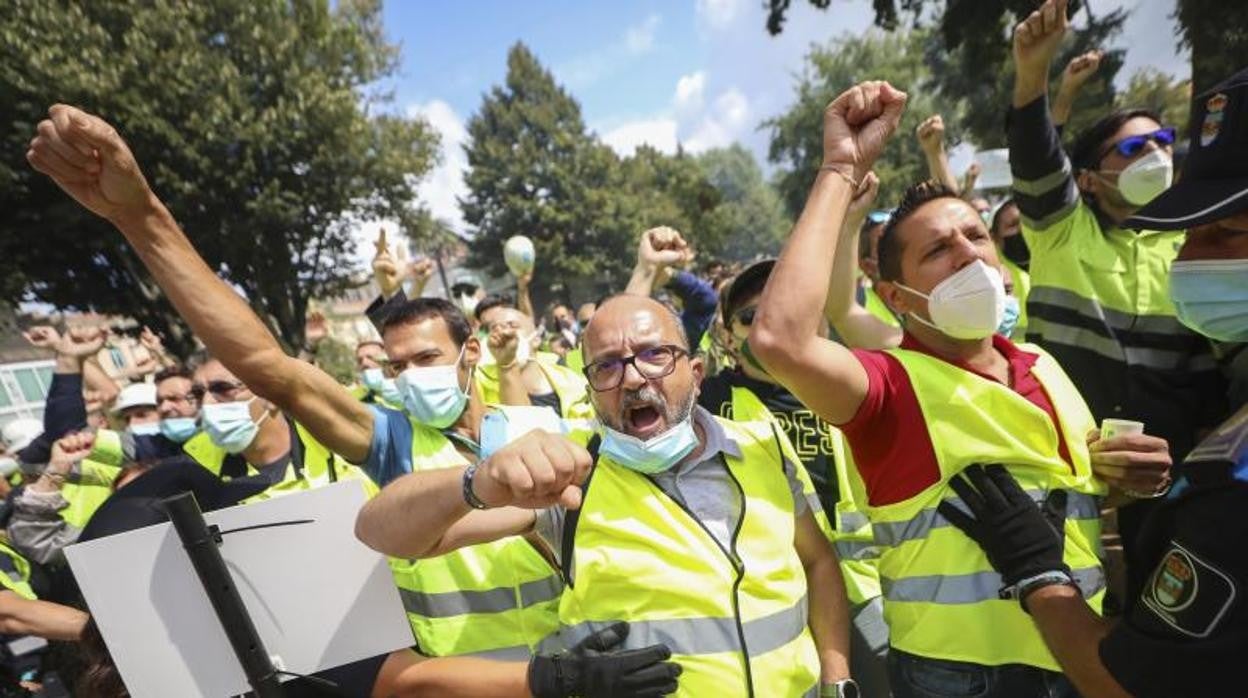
1187	633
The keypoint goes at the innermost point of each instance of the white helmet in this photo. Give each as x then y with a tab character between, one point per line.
18	433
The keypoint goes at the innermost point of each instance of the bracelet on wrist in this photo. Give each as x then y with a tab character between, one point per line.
470	497
841	173
1020	589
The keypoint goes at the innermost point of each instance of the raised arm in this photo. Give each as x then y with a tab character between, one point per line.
88	159
1044	186
785	336
425	514
504	343
524	302
931	135
658	249
856	327
1077	72
66	408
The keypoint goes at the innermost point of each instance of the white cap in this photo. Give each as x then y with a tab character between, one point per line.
136	395
18	433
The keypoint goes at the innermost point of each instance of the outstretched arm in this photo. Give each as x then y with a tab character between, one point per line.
87	158
785	336
855	326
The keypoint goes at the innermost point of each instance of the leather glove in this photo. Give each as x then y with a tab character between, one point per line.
1023	541
595	669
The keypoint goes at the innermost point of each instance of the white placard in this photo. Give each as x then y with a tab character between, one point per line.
994	169
318	597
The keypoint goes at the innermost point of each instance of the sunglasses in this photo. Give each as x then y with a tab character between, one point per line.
1131	146
219	389
877	217
745	316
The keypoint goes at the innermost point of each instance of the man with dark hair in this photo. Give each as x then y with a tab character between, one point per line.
491	301
1100	297
370	359
953	394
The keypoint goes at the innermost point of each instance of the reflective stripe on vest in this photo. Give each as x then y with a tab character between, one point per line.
735	617
851	534
937	581
496	600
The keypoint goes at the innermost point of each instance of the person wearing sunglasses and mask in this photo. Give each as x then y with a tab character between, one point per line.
953	394
671	483
1099	301
1185	632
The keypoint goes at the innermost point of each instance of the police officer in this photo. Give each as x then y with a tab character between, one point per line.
1186	631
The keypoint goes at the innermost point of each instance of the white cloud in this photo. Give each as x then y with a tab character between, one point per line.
720	126
718	14
658	132
441	187
640	39
689	92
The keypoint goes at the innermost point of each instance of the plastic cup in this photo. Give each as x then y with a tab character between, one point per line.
1120	427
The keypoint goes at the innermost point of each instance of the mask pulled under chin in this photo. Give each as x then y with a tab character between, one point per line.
654	455
968	305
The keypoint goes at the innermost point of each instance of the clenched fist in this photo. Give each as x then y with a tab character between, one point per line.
536	471
87	158
857	124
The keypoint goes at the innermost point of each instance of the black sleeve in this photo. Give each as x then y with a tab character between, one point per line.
715	396
65	410
381	307
1186	633
1044	185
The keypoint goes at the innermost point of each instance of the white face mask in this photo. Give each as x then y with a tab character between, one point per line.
1142	180
968	305
467	304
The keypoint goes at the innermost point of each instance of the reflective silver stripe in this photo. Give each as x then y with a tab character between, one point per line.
1048	221
1042	185
856	550
1111	349
692	636
853	521
812	693
889	533
1116	319
812	501
505	654
448	604
970	588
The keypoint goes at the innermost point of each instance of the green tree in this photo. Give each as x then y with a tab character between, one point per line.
255	121
797	135
968	53
1216	32
1150	88
750	218
537	171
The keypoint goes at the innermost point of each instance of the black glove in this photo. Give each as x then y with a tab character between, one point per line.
592	669
1022	540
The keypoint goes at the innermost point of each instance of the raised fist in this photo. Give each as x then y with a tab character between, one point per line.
86	158
931	134
857	124
1080	69
1036	39
663	247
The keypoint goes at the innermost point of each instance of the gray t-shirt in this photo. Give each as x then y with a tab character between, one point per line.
704	487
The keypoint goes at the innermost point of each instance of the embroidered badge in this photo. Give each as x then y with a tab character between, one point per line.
1187	593
1212	125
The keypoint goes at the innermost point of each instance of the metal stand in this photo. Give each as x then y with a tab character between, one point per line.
201	545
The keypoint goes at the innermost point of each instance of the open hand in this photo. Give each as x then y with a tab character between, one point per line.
536	471
87	158
857	124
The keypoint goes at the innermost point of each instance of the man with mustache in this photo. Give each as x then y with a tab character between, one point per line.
694	529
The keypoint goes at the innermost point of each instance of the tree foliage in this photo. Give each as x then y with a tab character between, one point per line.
252	119
1150	88
1216	32
797	135
536	170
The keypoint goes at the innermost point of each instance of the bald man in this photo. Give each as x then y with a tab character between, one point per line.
518	368
695	530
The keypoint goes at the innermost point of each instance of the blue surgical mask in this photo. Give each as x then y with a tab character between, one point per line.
1009	320
1211	297
179	429
432	395
389	392
229	425
372	379
655	455
146	429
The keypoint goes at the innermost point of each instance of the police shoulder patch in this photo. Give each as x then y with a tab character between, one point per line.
1188	593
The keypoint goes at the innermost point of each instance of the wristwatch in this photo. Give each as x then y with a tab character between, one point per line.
845	688
470	496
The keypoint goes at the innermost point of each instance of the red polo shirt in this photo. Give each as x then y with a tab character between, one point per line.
888	435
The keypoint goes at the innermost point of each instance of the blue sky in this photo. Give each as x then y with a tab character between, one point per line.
704	73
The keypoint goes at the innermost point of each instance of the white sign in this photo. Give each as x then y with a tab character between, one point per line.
318	597
994	169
